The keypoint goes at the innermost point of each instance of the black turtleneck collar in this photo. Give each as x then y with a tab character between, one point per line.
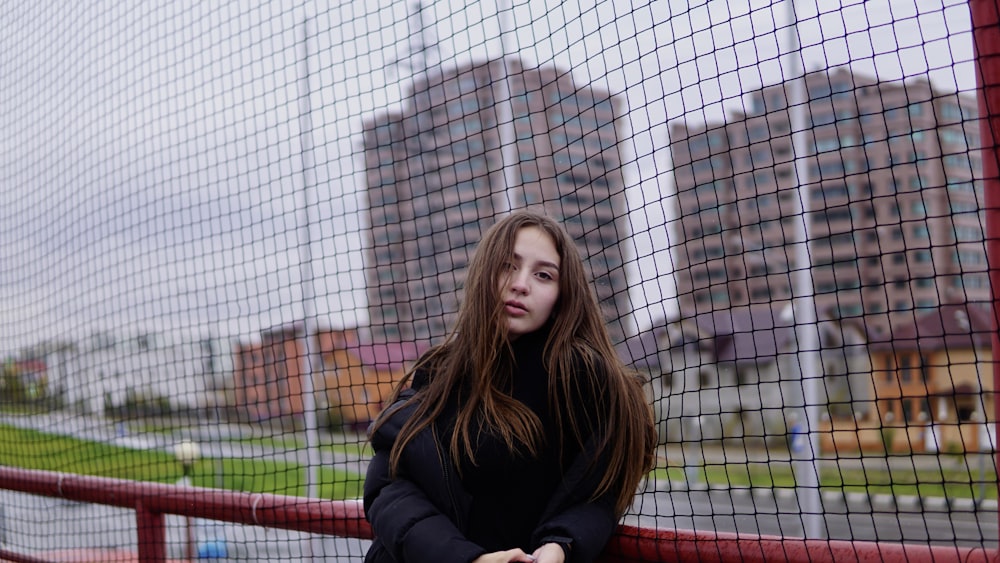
531	345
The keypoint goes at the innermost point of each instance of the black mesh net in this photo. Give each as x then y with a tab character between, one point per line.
228	230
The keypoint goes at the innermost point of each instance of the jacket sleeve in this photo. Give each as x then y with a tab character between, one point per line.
588	522
405	519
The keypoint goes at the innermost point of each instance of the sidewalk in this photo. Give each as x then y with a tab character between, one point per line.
713	453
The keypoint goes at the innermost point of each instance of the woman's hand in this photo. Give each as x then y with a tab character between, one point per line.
508	556
550	553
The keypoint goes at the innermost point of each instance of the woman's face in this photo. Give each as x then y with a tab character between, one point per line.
530	286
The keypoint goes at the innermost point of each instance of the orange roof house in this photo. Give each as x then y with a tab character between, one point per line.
352	379
933	381
359	377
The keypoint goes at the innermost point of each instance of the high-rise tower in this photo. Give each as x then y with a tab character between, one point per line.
436	181
892	191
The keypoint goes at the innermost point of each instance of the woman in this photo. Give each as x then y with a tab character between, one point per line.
521	437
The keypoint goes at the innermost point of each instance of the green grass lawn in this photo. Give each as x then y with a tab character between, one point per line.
953	483
32	449
362	449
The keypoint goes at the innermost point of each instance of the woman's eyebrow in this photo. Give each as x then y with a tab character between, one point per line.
544	263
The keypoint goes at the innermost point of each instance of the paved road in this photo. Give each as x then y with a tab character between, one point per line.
31	524
777	512
851	516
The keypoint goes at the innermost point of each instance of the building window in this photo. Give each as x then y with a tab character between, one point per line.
826	287
966	187
890	409
698	144
705	379
970	258
823	118
923	409
895	114
876	307
976	281
906	369
959	206
968	233
907	410
758	133
850	310
951	111
957	161
965	406
828	144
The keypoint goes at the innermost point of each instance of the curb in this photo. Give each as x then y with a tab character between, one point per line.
834	501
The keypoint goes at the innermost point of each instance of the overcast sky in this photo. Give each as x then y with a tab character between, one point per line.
152	157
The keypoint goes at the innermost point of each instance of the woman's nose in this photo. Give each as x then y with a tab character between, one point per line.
519	283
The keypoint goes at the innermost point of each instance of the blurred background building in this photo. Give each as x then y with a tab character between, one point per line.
893	201
437	178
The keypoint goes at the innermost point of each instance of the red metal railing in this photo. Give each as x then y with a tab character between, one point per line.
151	501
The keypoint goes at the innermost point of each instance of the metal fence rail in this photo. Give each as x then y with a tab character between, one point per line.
152	501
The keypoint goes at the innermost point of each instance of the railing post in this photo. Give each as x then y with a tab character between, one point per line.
986	44
152	534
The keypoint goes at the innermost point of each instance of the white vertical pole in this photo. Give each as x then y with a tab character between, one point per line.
509	195
804	453
304	240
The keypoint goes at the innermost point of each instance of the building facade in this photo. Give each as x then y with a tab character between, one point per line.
268	375
468	145
108	371
934	383
892	203
351	378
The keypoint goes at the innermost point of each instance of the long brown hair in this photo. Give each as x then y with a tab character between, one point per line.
474	362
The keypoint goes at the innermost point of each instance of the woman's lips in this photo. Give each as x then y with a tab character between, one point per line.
515	308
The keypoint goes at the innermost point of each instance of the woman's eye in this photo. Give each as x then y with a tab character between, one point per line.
545	275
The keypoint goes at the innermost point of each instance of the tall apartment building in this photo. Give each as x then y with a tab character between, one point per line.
893	201
436	181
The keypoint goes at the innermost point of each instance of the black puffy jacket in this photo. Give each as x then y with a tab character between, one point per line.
420	516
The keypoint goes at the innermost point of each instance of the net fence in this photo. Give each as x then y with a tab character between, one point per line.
229	228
